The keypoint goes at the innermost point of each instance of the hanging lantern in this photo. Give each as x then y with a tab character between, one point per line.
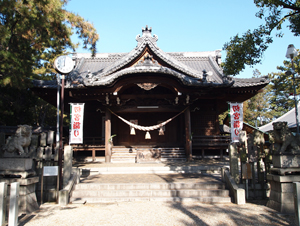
148	137
132	131
161	132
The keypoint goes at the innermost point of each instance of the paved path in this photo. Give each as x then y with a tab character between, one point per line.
156	213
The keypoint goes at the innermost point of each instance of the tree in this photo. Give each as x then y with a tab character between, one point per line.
282	88
256	109
33	34
248	48
276	99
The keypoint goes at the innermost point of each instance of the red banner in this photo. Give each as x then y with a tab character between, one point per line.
76	130
236	115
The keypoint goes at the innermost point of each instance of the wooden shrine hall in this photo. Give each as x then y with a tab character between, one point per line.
150	105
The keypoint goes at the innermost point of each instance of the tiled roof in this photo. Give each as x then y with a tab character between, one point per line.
248	82
192	68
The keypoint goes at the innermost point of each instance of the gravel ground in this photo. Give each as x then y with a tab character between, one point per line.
156	213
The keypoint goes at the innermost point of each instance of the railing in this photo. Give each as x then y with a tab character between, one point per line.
90	144
210	145
91	141
216	141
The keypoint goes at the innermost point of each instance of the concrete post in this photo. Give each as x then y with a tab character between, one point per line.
3	196
68	155
297	202
13	204
234	164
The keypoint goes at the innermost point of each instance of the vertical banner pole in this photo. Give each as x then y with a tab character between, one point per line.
61	131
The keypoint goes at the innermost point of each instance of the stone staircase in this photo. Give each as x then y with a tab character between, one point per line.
173	154
121	154
152	183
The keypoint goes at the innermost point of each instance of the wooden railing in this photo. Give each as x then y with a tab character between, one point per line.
90	144
91	141
216	142
211	142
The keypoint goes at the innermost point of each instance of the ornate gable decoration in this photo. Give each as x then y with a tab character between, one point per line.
146	36
147	60
147	86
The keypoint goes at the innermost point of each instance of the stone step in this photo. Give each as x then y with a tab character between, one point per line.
124	154
172	155
149	193
204	192
148	186
123	160
124	151
127	155
153	169
209	200
173	159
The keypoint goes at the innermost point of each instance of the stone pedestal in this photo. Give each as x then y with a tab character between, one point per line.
16	167
285	171
286	161
282	192
27	196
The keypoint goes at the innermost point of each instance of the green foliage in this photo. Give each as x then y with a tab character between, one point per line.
257	109
33	34
249	48
277	98
282	89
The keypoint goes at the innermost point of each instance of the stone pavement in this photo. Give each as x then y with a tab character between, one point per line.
151	213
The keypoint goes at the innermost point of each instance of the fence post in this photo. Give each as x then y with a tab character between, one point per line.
3	196
13	204
297	202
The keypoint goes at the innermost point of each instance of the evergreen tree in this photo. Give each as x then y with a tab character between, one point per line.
33	34
248	48
257	109
282	88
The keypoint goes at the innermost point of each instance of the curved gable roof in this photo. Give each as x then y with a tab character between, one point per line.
199	69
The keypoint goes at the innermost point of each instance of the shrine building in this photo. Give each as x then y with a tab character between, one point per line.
151	105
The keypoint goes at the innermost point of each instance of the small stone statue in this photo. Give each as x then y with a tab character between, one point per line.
20	141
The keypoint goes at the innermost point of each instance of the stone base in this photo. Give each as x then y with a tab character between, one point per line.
282	192
284	171
22	174
27	197
16	167
286	160
17	164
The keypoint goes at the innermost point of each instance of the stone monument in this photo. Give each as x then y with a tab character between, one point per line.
285	149
17	166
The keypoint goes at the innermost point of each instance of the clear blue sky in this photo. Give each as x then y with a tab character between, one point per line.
189	25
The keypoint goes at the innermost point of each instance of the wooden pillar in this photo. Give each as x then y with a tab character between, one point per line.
188	134
107	136
94	154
